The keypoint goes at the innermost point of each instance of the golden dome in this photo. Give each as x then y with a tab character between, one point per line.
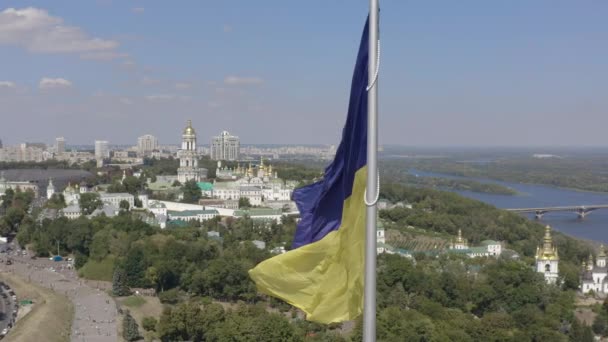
547	251
189	130
602	253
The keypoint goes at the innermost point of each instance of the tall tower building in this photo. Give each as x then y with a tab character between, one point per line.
102	149
225	147
60	145
547	259
50	189
146	144
188	158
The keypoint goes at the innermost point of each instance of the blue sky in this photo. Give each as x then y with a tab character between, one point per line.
482	73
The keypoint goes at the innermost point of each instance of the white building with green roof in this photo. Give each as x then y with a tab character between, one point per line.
487	248
192	215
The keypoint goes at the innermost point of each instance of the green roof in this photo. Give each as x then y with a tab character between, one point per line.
205	186
403	251
258	212
460	251
186	213
479	250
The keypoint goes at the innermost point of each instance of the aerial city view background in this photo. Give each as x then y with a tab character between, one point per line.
152	154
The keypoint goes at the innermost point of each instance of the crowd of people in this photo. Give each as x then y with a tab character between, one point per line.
95	313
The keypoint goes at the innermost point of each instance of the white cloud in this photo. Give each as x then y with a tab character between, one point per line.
183	85
125	100
103	55
148	81
53	83
7	84
235	80
128	64
138	10
37	31
167	97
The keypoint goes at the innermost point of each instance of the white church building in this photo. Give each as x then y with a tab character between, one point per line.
547	258
594	277
188	158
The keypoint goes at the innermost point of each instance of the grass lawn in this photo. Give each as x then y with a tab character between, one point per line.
50	318
134	301
98	270
141	307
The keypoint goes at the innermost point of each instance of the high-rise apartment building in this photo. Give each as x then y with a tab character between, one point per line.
146	144
102	149
225	147
60	145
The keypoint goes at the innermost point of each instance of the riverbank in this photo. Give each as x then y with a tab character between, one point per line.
50	318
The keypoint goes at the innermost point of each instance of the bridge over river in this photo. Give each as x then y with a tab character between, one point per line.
580	210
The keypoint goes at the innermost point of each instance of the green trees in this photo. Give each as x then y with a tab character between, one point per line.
57	201
508	297
149	323
130	328
124	205
244	203
188	322
135	267
7	199
89	202
16	204
192	193
119	283
130	184
10	222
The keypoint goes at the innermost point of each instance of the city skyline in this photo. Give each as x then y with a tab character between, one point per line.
473	74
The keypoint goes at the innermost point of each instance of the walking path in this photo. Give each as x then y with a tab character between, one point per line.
95	313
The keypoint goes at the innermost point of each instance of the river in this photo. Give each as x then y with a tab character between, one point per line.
593	227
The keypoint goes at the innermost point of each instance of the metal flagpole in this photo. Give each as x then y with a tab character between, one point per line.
369	305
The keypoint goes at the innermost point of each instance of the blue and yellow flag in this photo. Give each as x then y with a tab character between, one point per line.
323	274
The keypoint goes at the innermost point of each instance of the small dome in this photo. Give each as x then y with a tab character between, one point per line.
189	130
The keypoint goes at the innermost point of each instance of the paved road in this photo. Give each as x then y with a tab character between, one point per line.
95	313
7	305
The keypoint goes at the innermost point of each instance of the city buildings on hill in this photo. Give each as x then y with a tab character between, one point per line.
16	185
595	275
146	144
26	152
258	184
547	258
289	152
225	147
188	158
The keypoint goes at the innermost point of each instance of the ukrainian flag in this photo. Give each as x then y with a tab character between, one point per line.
324	274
